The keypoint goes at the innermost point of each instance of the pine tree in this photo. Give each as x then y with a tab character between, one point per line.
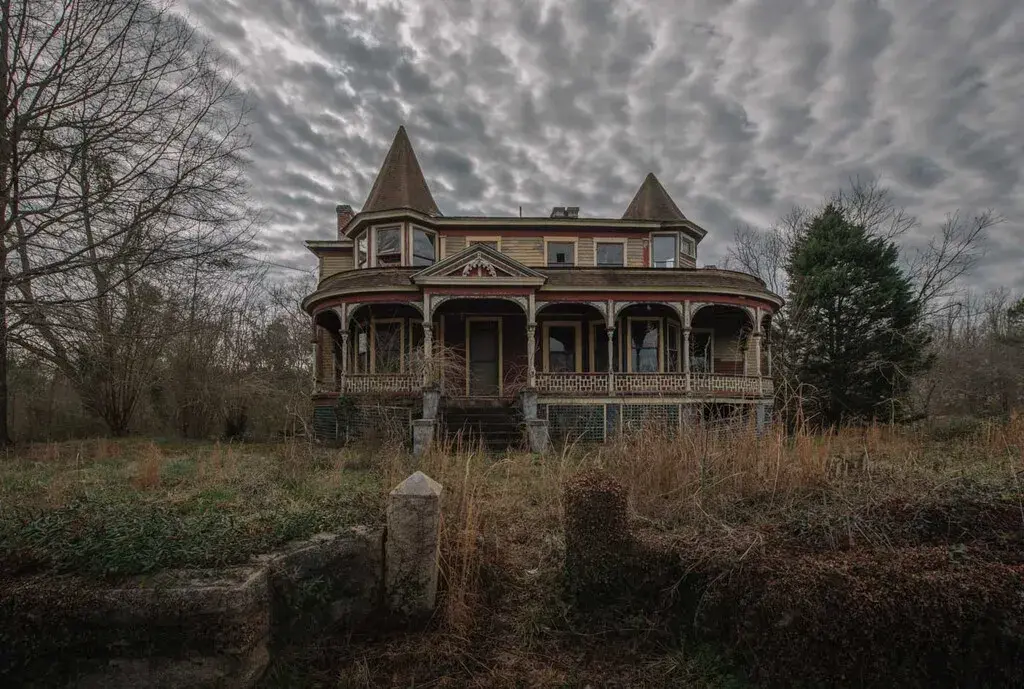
859	335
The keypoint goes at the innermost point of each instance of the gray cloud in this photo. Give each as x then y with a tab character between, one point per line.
742	109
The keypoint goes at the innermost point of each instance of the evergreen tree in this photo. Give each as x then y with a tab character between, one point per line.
859	333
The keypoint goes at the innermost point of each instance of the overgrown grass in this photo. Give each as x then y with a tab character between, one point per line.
503	619
113	508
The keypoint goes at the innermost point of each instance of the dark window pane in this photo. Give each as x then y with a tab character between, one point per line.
665	251
493	243
643	336
387	348
389	247
562	348
601	350
422	248
609	254
674	362
561	254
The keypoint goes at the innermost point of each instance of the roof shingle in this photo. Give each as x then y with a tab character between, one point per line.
652	202
400	182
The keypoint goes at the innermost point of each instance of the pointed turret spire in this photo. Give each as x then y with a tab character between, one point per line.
652	202
400	182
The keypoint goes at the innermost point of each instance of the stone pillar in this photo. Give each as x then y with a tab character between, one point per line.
686	355
537	435
428	354
763	416
422	435
411	545
531	355
529	401
611	363
344	360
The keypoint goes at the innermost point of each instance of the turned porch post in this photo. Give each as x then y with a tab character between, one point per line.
686	343
531	355
344	361
757	354
428	353
611	363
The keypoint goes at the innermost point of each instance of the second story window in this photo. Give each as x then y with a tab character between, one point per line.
689	248
424	247
362	256
610	254
387	245
664	251
561	254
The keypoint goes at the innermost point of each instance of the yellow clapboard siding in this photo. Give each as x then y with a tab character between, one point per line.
635	252
527	250
453	244
335	263
585	251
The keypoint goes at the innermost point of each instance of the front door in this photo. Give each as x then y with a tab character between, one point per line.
483	357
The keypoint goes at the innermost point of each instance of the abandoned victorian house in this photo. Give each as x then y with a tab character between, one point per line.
528	329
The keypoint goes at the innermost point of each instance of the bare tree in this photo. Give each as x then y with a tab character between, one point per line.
121	148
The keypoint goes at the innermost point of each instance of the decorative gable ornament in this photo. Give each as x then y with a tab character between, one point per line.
479	265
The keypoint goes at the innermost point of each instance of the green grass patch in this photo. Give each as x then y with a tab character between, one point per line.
110	510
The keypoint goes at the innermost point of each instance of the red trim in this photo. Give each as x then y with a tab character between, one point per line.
549	297
561	232
480	291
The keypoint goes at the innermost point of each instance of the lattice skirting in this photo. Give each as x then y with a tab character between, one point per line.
597	422
368	421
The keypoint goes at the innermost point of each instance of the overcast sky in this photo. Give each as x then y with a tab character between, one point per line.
742	108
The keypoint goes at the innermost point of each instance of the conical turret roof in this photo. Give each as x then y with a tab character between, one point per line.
400	182
652	202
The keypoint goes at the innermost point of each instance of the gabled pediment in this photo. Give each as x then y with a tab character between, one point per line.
479	263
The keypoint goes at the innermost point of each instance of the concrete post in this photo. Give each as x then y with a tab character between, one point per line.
529	401
411	545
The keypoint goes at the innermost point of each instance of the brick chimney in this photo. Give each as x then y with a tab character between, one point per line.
345	214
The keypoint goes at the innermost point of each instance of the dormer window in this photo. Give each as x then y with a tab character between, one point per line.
689	248
665	250
387	245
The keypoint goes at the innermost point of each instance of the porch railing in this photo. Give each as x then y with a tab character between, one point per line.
590	384
653	384
382	382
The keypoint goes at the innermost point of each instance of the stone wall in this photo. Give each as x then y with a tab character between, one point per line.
218	628
188	628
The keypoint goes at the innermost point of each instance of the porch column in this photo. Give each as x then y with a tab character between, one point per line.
611	363
531	355
768	358
344	360
686	355
428	353
757	353
316	357
687	318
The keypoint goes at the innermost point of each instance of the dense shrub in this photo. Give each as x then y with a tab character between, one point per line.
916	617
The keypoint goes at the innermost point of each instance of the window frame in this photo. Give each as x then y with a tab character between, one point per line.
563	240
675	258
546	350
401	245
373	342
629	334
413	229
365	234
599	242
691	246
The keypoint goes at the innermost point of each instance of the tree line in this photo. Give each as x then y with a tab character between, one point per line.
873	330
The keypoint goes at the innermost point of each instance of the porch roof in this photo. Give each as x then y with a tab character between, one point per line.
698	280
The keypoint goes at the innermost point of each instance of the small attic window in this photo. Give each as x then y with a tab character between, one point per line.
361	251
